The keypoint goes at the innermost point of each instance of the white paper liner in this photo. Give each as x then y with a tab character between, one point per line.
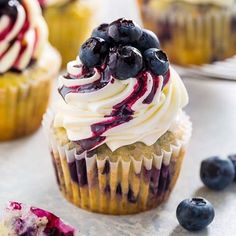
104	197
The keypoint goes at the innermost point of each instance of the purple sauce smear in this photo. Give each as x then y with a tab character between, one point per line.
122	112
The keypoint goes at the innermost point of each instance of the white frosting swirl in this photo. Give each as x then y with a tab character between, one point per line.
23	36
80	110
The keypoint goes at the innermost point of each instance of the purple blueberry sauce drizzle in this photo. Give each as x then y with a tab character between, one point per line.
9	8
122	112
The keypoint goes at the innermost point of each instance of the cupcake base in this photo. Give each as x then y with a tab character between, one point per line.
132	179
24	96
192	34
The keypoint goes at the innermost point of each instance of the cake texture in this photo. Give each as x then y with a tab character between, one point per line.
69	24
19	220
118	134
27	69
193	32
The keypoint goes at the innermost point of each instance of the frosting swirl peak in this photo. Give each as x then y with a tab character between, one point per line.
23	34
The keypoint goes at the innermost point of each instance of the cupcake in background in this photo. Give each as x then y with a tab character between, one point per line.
193	32
69	23
19	219
28	66
118	135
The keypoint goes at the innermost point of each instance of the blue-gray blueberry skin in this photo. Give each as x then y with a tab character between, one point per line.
195	214
124	31
147	40
156	61
232	158
217	173
93	52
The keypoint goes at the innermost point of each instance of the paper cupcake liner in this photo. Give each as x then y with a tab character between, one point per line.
121	186
24	97
194	35
69	26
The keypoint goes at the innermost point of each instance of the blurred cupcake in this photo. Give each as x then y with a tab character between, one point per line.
119	135
69	23
28	65
193	32
19	219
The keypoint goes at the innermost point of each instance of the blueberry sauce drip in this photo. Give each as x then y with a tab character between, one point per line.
9	8
121	112
87	88
150	97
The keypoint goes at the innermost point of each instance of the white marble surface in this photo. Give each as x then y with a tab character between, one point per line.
26	172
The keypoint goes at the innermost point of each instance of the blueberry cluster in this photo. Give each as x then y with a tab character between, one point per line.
125	48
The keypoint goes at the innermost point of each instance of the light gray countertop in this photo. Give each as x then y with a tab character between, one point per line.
26	172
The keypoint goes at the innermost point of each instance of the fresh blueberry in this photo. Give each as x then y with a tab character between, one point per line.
233	160
125	62
217	173
124	31
101	32
147	40
195	214
93	52
156	61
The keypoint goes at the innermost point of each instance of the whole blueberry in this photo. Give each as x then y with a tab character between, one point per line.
101	32
147	40
217	173
195	214
93	52
156	61
125	62
233	160
124	31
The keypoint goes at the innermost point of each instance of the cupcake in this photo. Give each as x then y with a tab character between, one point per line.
69	23
28	65
118	134
19	219
193	32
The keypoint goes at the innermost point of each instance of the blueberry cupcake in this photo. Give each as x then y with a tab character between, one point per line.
193	32
19	219
118	134
28	65
69	23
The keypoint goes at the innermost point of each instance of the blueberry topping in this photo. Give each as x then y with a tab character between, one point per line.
101	32
217	173
147	40
233	160
156	61
124	31
125	62
195	214
93	52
